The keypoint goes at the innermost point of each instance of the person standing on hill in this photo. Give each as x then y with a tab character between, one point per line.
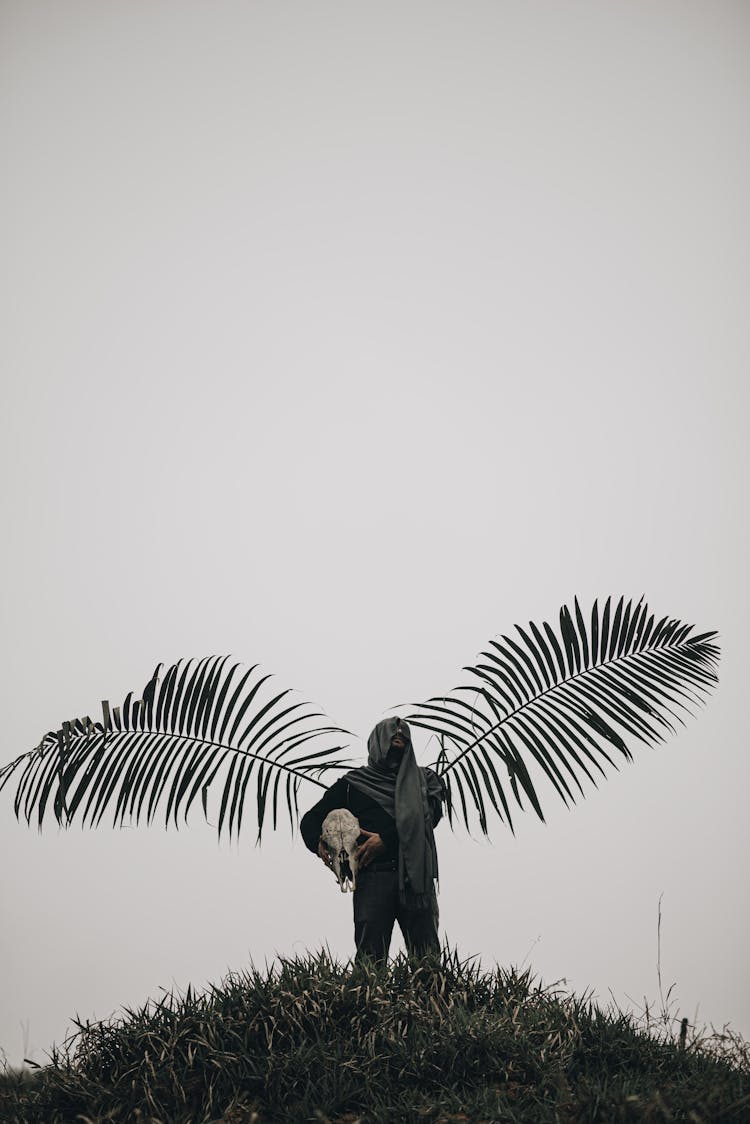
397	803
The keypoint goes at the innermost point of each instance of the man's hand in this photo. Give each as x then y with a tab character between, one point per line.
370	849
325	854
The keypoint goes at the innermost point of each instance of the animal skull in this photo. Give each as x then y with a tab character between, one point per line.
340	833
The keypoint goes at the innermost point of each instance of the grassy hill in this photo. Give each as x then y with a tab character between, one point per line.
440	1040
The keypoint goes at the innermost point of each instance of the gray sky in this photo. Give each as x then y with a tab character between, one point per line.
341	337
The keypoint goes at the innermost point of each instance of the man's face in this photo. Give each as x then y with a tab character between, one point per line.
396	750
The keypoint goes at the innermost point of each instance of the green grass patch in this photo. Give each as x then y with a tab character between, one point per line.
435	1040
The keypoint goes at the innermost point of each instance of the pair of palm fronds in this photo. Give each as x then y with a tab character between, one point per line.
557	704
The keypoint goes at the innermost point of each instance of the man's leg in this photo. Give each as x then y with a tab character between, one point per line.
375	904
420	928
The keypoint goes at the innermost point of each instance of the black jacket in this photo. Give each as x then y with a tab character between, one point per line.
371	816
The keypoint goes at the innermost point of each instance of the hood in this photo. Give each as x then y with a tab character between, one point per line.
379	742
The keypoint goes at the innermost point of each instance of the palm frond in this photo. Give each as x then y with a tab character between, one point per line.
562	703
201	723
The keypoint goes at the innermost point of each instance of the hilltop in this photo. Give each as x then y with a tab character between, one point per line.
439	1040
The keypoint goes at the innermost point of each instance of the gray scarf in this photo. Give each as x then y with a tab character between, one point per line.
403	793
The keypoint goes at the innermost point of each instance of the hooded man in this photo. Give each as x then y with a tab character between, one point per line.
398	804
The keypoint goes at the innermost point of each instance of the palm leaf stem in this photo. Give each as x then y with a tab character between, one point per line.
535	700
130	736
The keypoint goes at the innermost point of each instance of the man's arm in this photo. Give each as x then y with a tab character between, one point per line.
312	821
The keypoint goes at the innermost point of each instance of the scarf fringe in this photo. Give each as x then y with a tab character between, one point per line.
414	901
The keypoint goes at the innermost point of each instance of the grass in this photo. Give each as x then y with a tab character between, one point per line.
435	1040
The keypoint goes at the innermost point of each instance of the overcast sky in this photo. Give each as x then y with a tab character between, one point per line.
340	337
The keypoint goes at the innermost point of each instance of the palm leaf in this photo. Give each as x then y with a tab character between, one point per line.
201	725
561	703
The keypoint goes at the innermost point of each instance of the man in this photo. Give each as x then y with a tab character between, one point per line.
397	804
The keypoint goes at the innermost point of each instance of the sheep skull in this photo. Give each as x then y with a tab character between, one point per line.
340	833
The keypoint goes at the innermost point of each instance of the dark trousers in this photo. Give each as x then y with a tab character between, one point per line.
376	907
